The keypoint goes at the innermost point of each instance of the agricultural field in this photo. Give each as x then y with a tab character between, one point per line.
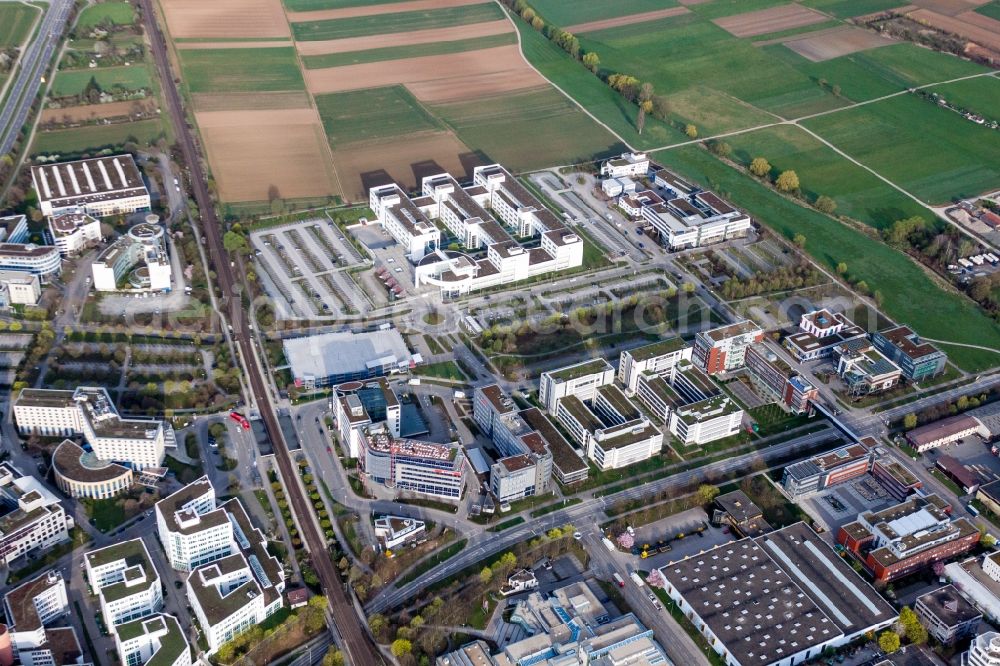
90	139
225	19
981	95
564	13
909	294
345	115
342	59
849	8
992	10
222	70
16	22
403	21
929	151
72	82
114	12
821	171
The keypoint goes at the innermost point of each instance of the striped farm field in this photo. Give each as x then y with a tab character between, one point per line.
409	51
16	22
314	5
347	117
376	24
241	70
563	13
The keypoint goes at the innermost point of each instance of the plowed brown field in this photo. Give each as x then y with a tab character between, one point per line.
203	19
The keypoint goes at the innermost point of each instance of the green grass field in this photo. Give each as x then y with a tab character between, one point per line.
591	93
348	116
848	8
411	51
119	13
910	296
312	5
529	130
678	53
241	70
15	22
720	8
822	171
91	139
931	152
992	10
563	13
73	81
361	26
981	95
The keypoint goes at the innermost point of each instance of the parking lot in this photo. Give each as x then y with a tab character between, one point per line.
973	453
668	528
305	267
841	504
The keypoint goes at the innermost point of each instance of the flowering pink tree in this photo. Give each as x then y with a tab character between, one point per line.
626	541
655	579
938	568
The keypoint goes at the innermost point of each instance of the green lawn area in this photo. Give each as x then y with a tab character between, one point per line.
720	8
348	117
119	13
681	52
931	152
563	13
377	24
15	22
106	514
84	139
529	130
981	95
992	10
410	51
440	556
442	370
848	8
610	107
73	81
858	193
910	296
241	70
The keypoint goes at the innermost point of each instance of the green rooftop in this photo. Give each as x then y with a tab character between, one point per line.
572	372
660	348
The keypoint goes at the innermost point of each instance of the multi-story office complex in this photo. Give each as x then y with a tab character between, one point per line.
580	380
19	288
101	186
517	211
89	411
917	358
41	260
14	229
864	370
404	221
907	537
658	358
73	231
775	600
123	577
526	466
827	469
31	517
819	333
568	465
192	528
626	164
723	349
984	650
947	615
425	468
690	217
32	606
137	261
775	379
360	406
157	640
80	473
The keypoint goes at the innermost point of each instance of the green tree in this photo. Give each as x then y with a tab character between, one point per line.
592	61
691	130
888	641
486	576
988	540
333	657
914	631
825	204
537	23
707	493
401	647
721	148
799	240
788	181
910	421
841	268
378	624
760	167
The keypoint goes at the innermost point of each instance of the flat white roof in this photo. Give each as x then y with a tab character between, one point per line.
344	352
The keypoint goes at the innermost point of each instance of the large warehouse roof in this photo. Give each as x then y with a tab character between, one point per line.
345	353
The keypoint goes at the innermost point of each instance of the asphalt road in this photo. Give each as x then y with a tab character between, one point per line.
33	62
356	642
588	512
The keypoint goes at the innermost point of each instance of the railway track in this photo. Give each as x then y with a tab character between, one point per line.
359	647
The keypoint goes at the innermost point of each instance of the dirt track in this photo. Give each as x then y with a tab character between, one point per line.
405	38
961	25
435	78
766	21
836	42
251	151
393	8
203	19
626	20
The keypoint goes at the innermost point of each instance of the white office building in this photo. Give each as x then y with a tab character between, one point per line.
123	577
73	231
30	608
138	261
100	186
19	288
154	641
404	221
89	411
41	260
659	358
31	517
580	380
983	651
365	406
626	164
611	430
192	528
